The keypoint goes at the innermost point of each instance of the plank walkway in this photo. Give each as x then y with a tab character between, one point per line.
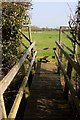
46	101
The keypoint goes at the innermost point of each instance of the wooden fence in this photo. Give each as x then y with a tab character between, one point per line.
6	81
72	64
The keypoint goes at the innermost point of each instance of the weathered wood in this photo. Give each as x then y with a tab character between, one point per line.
59	52
69	71
29	31
2	108
11	74
73	63
60	56
60	31
46	101
70	86
19	96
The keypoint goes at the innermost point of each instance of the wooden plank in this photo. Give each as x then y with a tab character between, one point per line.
73	63
11	74
46	101
70	86
19	96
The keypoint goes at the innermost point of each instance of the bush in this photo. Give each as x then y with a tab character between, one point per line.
13	15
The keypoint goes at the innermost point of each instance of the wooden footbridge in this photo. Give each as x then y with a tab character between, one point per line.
53	95
46	101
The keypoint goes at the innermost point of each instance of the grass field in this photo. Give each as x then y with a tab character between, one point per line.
45	42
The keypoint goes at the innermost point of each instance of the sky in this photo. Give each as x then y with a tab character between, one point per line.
52	13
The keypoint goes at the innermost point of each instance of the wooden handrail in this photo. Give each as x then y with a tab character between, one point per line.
19	96
75	65
5	82
71	63
70	86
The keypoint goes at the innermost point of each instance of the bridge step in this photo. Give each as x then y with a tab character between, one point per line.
46	101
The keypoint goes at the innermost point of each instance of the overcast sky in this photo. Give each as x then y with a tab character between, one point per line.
52	13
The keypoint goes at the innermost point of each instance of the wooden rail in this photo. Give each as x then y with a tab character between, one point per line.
67	74
69	84
5	82
70	87
72	62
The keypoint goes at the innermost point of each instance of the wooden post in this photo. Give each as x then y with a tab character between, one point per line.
60	56
1	116
59	51
32	51
69	71
2	108
19	96
30	37
29	31
60	31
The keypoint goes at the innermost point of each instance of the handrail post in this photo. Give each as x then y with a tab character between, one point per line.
60	56
2	108
69	71
1	115
60	31
59	51
29	31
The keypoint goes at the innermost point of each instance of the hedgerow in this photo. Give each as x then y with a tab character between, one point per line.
13	15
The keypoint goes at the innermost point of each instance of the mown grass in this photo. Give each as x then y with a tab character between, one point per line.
45	42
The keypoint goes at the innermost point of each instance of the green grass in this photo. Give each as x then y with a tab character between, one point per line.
46	40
